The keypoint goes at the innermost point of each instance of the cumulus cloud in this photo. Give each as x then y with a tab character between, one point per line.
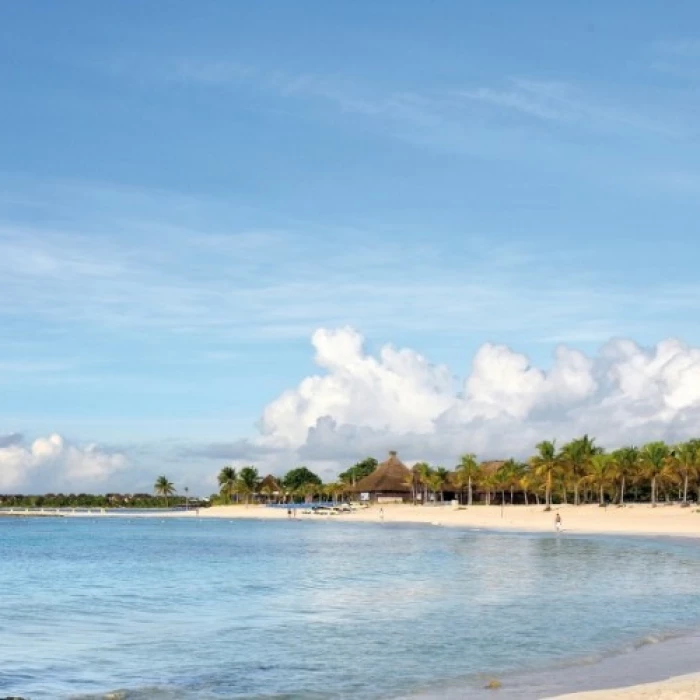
53	463
362	404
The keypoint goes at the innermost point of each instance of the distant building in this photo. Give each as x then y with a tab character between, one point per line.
270	488
390	482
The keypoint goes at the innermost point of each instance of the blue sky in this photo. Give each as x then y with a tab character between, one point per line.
186	197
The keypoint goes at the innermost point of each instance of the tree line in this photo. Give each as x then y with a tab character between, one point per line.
580	471
87	500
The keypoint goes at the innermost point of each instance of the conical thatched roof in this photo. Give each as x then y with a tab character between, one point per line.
271	482
393	476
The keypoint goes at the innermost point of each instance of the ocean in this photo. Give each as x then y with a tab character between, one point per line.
186	608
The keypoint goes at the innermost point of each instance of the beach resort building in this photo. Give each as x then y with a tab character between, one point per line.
390	482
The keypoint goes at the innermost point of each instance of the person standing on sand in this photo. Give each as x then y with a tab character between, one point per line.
381	514
557	523
289	512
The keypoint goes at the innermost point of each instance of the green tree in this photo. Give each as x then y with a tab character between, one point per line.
468	472
438	481
248	482
600	474
625	466
575	459
654	464
227	482
296	478
163	488
413	482
424	473
510	475
684	461
358	471
545	463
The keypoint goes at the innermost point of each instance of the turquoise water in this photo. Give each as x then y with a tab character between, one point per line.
186	608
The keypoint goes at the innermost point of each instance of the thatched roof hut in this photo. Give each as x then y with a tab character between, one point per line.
390	477
270	482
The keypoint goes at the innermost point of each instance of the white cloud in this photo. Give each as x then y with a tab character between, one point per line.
561	101
361	404
52	463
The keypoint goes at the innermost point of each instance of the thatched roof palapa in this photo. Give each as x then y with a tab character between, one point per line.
391	476
270	482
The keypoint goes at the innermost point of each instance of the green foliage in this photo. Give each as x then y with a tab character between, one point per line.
164	488
358	471
296	479
91	500
227	479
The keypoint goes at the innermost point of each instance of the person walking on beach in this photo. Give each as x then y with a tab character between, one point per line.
381	514
557	523
289	512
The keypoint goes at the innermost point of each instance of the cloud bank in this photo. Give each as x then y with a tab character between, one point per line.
54	464
361	404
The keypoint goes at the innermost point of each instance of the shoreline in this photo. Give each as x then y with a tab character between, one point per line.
638	519
685	687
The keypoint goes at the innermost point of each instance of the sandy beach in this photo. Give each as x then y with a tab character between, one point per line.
681	688
633	519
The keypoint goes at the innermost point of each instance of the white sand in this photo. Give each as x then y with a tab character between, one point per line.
630	520
681	688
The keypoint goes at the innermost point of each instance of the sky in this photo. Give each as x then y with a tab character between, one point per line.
282	233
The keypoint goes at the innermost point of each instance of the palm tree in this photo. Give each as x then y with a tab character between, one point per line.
164	488
625	463
488	481
413	482
227	482
600	474
575	456
424	473
248	481
309	490
684	460
511	474
544	464
441	475
467	472
654	463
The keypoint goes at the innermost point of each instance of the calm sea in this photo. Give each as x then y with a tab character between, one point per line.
186	608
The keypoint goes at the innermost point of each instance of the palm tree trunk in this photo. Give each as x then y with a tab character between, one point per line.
512	489
469	491
575	492
653	491
525	497
602	497
685	488
622	491
548	494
